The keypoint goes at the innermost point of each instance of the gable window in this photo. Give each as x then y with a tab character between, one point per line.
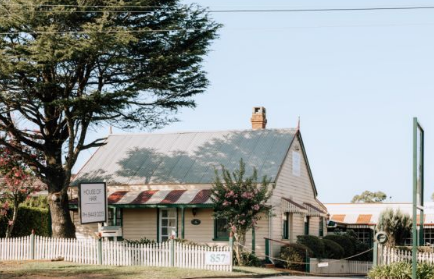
321	226
285	225
306	225
221	233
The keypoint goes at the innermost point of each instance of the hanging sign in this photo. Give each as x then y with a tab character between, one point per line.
93	203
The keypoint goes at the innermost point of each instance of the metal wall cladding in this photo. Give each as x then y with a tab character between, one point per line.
186	158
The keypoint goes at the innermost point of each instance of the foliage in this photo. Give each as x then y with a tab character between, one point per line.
314	243
345	242
16	185
401	270
36	201
360	247
396	224
332	250
249	259
82	64
29	218
241	201
369	197
294	256
142	240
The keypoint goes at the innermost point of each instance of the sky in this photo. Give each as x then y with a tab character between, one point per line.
356	80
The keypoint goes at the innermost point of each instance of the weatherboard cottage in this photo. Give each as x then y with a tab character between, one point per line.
161	183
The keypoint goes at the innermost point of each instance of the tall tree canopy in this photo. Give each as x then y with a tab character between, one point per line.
369	197
69	65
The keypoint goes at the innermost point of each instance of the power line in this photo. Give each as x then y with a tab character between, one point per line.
99	32
320	10
282	10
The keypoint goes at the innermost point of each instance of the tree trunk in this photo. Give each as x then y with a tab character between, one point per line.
240	243
58	181
14	219
61	223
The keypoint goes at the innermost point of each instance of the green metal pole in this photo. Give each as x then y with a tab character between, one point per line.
182	222
267	250
253	240
414	229
421	220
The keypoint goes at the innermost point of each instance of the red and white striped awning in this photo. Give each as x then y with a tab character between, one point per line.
160	197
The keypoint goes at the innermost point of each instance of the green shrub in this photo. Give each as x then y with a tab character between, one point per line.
142	240
294	256
37	201
29	218
400	270
332	250
314	243
345	242
360	248
425	270
249	259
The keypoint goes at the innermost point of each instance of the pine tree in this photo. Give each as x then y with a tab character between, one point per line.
68	66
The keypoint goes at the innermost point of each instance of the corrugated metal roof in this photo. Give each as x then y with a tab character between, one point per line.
185	158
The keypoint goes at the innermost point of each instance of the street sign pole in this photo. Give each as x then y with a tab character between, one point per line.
418	190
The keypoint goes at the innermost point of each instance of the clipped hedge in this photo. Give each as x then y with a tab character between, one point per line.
314	243
345	242
401	270
294	256
362	247
28	218
332	250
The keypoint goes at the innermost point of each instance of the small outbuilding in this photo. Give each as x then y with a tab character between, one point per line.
159	184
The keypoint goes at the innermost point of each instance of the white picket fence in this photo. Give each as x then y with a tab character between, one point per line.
111	252
392	255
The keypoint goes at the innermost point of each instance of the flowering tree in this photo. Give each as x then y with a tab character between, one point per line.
16	184
241	201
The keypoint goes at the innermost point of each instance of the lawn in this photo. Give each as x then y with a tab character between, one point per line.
46	269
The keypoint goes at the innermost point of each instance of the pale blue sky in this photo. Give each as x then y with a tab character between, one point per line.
356	79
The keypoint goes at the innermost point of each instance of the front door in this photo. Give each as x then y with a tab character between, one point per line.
167	223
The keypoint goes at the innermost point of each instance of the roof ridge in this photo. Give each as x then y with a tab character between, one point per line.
210	131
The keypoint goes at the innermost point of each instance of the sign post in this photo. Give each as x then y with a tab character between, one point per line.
93	202
418	190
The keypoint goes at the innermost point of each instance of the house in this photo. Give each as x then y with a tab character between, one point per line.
363	217
161	183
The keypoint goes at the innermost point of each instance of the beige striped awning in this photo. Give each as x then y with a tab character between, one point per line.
314	211
291	206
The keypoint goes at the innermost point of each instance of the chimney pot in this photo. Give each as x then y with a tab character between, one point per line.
259	118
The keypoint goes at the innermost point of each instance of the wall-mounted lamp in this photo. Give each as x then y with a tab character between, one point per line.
194	211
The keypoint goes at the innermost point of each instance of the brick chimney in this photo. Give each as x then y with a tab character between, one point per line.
259	118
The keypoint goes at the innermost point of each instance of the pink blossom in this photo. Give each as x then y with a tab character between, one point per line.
255	207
